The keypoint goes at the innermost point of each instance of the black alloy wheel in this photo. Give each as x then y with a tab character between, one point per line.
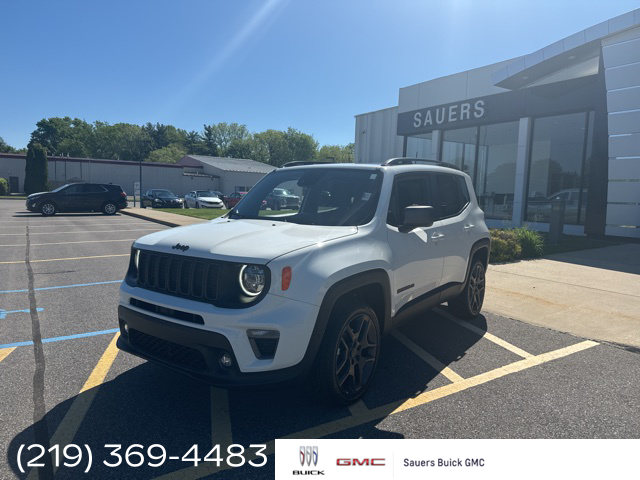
348	355
356	354
469	303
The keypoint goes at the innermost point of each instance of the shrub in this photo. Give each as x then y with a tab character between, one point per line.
505	246
531	242
4	187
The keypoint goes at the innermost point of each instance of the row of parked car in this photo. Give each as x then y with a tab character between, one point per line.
278	199
108	199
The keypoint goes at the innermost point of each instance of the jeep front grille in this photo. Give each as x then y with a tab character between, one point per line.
179	276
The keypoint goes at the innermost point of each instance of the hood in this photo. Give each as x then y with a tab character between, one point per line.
36	194
248	241
209	199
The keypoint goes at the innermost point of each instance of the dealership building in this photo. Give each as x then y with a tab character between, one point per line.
561	123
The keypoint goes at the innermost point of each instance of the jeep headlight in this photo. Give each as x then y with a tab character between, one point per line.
252	279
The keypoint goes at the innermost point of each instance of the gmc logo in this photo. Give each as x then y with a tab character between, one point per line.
357	462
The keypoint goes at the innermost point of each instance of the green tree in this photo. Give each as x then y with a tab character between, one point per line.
36	169
52	132
122	141
210	146
222	134
169	154
194	143
303	147
275	144
5	147
335	153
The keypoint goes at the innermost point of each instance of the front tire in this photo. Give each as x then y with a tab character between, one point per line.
197	205
469	303
109	208
348	357
48	209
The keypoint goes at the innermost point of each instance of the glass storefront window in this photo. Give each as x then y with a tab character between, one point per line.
556	167
419	146
459	148
495	182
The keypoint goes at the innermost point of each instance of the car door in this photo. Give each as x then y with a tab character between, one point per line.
456	225
69	198
92	197
417	255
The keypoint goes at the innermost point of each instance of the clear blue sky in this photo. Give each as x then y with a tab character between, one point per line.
309	64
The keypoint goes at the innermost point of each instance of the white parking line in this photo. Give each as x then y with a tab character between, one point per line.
68	243
85	231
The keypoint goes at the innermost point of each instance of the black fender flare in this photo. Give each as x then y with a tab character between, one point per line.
337	291
483	243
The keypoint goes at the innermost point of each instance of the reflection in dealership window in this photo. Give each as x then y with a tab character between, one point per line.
459	148
559	168
419	146
497	151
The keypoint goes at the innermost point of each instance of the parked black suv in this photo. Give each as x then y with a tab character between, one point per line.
79	197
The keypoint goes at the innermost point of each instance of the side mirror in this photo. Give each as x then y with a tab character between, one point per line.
417	216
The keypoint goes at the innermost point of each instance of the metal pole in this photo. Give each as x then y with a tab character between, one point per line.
140	183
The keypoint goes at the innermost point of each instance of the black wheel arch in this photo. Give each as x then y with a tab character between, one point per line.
481	249
372	286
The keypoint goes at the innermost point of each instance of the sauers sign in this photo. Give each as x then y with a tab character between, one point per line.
568	96
451	115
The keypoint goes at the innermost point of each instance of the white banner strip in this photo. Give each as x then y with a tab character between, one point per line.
456	459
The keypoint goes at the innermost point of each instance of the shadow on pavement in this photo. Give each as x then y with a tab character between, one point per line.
621	258
149	404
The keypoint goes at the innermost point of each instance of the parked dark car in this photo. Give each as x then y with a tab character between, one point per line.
281	198
158	198
79	197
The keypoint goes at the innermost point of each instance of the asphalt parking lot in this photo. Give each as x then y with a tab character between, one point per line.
62	380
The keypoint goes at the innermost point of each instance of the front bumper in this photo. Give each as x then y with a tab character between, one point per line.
196	349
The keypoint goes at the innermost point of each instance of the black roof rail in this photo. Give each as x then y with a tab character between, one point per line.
301	163
412	161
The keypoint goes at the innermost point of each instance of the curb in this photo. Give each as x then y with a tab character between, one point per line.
144	217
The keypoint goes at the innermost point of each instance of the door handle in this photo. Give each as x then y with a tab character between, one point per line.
437	236
468	227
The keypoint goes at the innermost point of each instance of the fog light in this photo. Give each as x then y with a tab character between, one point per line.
225	360
126	327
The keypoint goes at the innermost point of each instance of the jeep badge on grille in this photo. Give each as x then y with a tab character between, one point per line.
183	248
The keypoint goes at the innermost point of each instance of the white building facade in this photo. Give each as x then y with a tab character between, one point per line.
560	123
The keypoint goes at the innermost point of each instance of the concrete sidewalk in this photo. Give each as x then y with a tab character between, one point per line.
164	218
590	293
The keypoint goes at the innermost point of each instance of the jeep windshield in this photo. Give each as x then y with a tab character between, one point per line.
328	196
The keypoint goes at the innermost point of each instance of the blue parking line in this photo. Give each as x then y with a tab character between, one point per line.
59	339
4	313
62	286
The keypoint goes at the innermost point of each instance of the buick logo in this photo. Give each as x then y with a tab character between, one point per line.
308	455
182	248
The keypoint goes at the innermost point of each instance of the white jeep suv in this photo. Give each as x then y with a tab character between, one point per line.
261	296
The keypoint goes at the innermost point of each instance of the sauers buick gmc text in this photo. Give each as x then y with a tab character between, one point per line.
267	296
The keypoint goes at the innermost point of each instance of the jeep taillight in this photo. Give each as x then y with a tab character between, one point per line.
123	194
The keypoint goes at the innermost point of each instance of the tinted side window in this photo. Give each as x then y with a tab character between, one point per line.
452	196
73	189
92	188
407	191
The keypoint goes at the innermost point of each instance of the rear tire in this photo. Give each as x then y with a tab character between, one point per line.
197	205
469	303
348	356
109	208
48	209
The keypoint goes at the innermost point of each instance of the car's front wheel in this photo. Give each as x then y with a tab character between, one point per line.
348	356
109	208
469	303
48	209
